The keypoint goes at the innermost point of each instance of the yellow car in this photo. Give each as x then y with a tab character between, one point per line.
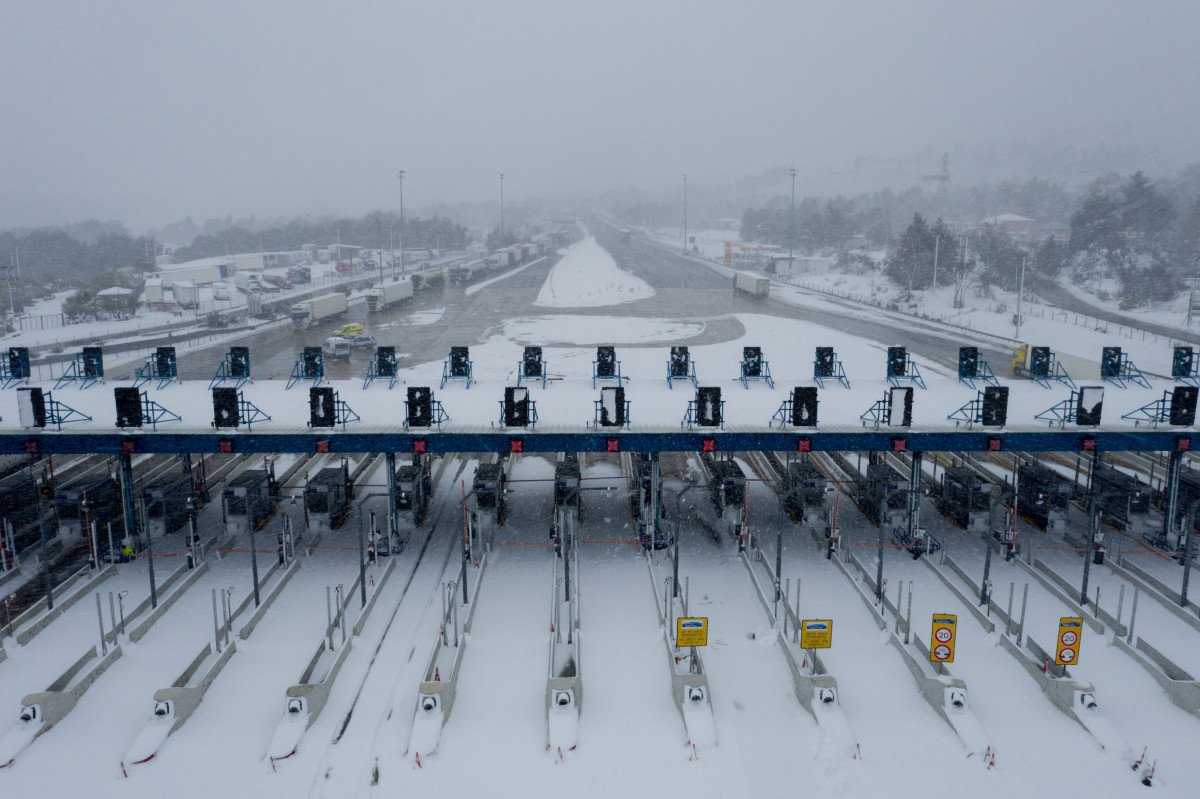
351	330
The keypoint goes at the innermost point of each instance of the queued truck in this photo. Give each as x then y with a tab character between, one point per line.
754	285
248	282
187	294
318	309
389	294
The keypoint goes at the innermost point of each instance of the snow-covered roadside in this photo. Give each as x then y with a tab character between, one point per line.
588	277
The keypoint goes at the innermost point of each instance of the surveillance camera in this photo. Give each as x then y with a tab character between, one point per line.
1088	701
429	703
29	714
827	696
958	699
162	709
562	698
295	706
695	694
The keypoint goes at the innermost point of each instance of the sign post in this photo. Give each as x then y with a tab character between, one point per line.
1070	631
691	631
945	630
816	633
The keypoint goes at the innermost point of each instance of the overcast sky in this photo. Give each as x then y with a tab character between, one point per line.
147	111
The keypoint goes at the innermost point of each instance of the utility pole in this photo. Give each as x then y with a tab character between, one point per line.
791	253
1020	293
685	214
400	236
501	209
937	245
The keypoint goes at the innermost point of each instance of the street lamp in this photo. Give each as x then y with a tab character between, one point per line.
792	226
400	237
501	209
685	214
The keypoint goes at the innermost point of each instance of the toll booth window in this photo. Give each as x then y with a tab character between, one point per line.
734	493
317	502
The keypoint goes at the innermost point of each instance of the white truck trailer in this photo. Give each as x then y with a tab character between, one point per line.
200	275
318	309
187	294
754	285
248	282
389	293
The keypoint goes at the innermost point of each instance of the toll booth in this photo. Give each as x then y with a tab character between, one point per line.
327	496
1043	496
966	498
248	500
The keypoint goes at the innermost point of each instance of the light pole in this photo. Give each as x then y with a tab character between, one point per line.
501	209
400	236
792	229
685	214
1020	291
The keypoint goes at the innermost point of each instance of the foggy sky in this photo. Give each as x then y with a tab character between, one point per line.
148	111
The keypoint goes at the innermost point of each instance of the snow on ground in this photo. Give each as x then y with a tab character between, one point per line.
575	331
588	277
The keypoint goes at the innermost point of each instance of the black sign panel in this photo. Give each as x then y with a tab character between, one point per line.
1089	406
995	406
225	407
239	362
164	361
531	362
752	361
385	361
420	406
312	362
31	407
901	402
897	361
708	406
606	362
612	407
1039	361
1183	405
1181	362
18	362
681	364
804	406
516	407
129	406
824	362
321	407
1110	362
460	361
93	362
968	362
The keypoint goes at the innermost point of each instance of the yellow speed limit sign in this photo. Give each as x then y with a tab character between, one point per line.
1070	634
816	633
941	645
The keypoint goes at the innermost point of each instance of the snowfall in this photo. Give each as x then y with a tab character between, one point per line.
880	739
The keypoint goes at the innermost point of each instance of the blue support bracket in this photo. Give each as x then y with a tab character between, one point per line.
912	374
674	372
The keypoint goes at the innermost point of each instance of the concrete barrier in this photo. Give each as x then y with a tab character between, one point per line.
1061	595
1157	590
1098	616
304	701
161	590
65	603
248	628
42	710
437	691
1180	685
564	683
175	705
164	605
968	602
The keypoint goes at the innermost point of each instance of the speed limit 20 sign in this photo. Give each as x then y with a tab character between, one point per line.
941	645
1070	631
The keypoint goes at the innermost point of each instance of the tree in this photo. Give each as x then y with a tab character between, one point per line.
1000	258
497	241
1050	257
1145	212
910	263
1097	223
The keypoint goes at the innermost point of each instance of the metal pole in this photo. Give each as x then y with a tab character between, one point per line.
1024	603
792	227
914	496
254	565
362	559
400	238
121	608
1020	293
112	553
1133	613
150	560
389	459
1189	529
1172	493
937	244
329	616
879	559
501	209
685	214
112	614
216	622
100	619
1093	528
778	560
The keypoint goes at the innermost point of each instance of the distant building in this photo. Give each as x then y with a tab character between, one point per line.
1012	225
